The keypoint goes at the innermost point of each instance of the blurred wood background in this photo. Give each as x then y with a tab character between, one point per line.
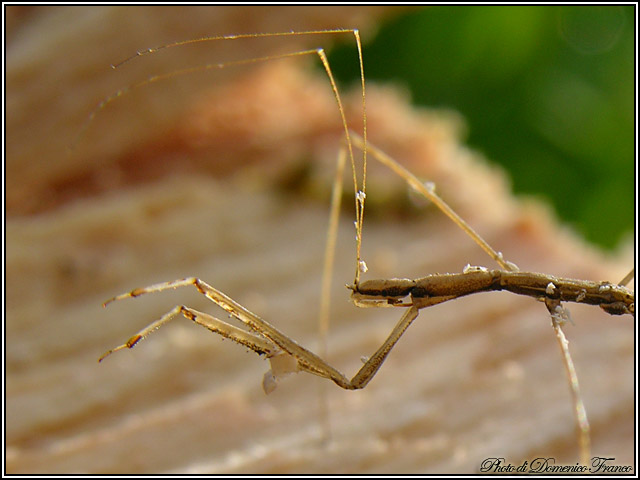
224	176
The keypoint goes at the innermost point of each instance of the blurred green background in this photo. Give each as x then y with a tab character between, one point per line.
546	91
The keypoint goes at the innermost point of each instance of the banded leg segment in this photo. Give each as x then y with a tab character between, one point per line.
307	361
267	339
256	343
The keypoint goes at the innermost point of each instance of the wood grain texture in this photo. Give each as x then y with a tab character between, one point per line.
167	187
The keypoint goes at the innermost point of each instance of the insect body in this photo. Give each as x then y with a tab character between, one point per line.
438	288
287	356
